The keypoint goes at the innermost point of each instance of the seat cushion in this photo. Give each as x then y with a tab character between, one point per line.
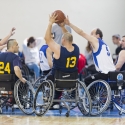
7	82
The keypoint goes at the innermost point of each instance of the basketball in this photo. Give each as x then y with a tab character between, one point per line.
61	16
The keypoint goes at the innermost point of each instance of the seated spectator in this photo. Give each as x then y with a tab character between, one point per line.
89	59
31	54
45	59
120	65
81	62
9	61
117	41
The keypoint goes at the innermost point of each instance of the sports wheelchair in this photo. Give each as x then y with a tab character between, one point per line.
106	93
69	85
21	94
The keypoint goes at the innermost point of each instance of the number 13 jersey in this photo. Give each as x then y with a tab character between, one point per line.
103	59
67	61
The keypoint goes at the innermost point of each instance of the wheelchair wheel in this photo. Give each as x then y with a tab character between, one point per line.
119	101
100	93
25	72
84	99
24	96
44	97
38	82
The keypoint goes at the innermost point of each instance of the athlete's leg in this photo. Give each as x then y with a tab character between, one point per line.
35	68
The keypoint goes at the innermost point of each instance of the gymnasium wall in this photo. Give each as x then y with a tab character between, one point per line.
30	17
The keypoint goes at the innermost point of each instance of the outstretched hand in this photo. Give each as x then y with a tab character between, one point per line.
52	18
12	32
67	22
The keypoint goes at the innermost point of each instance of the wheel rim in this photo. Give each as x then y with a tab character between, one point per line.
100	96
24	98
43	98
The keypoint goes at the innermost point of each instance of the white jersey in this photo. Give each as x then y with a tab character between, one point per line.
43	58
102	58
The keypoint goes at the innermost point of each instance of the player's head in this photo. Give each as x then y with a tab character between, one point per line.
123	42
116	38
31	42
97	33
67	38
12	46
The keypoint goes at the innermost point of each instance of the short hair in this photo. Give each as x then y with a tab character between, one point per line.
30	40
68	36
123	36
10	43
117	36
98	31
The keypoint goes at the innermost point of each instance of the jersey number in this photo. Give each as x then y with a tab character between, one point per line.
4	68
71	62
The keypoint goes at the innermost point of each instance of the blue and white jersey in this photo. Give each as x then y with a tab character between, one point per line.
102	58
43	58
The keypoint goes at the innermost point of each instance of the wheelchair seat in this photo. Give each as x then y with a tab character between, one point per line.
116	79
65	80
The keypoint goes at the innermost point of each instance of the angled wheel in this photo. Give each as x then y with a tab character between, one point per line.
38	82
119	101
84	99
100	93
24	95
43	97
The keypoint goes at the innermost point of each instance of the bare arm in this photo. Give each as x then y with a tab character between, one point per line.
49	41
49	57
121	60
3	46
79	31
19	74
62	25
5	40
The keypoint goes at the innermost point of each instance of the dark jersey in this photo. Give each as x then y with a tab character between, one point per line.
67	61
7	62
118	49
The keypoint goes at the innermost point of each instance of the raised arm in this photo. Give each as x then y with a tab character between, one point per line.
62	25
93	40
121	60
49	57
49	41
5	40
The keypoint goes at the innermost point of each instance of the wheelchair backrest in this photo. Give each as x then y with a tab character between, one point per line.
65	80
115	77
7	82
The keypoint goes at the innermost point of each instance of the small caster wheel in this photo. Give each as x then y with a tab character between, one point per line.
67	114
1	111
12	109
7	108
60	110
120	113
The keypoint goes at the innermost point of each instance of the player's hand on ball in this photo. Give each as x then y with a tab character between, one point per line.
67	22
62	24
52	18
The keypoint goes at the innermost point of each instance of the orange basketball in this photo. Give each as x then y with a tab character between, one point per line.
61	16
